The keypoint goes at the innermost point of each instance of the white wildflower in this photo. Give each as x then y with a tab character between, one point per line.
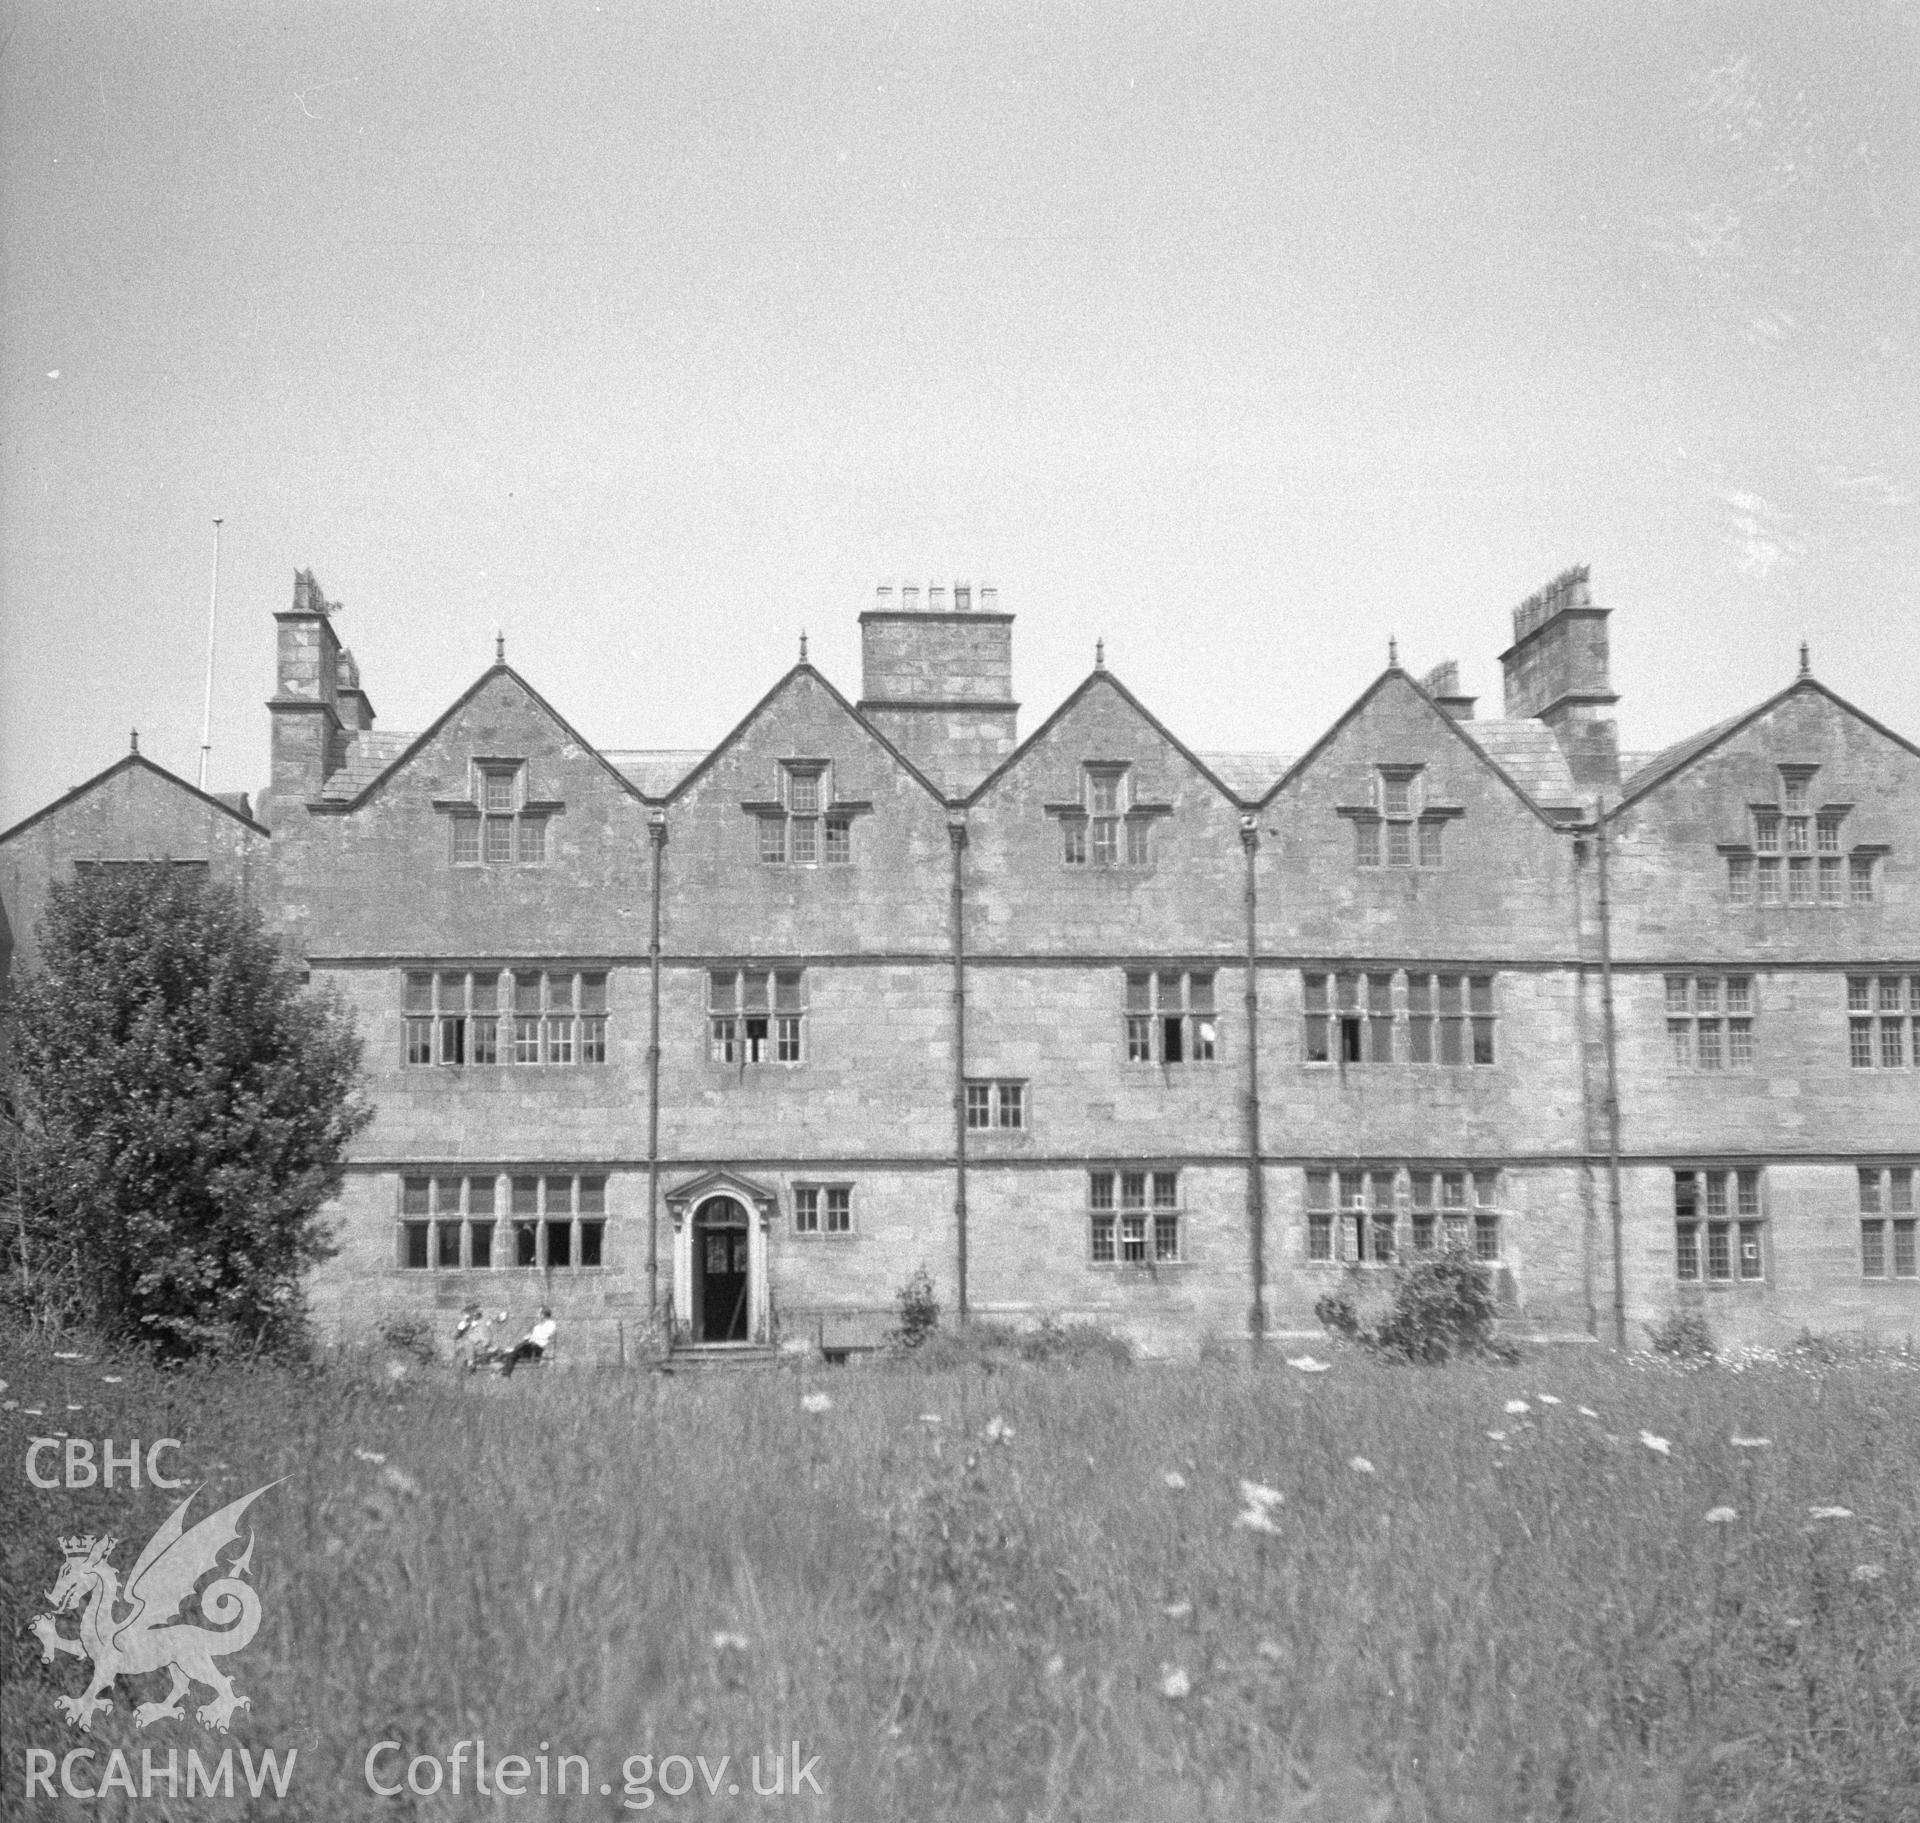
69	1357
1831	1512
1056	1664
1659	1445
1268	1649
1361	1466
106	1379
400	1481
998	1429
1586	1411
1177	1610
1258	1494
1869	1572
730	1642
1256	1519
370	1455
1307	1364
1720	1516
1174	1683
1174	1479
1546	1398
1751	1443
816	1402
931	1418
1518	1408
1498	1436
76	1408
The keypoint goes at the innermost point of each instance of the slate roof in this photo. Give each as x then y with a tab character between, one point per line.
1671	759
655	771
369	754
1247	775
1529	755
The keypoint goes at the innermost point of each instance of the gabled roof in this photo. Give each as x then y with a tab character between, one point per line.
1682	754
1531	753
419	741
127	762
1457	729
739	729
1099	675
1250	776
656	770
369	754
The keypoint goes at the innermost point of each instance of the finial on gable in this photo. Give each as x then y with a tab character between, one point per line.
803	645
500	648
1393	653
1099	654
1806	667
134	745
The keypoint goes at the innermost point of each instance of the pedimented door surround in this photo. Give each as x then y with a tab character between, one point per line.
699	1211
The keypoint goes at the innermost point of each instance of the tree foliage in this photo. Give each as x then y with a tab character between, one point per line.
183	1107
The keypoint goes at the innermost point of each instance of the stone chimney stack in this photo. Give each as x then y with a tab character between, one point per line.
938	681
1442	683
1556	671
309	720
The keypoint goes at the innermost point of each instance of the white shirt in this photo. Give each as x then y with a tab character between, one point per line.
542	1333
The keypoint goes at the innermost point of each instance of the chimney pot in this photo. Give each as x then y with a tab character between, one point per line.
910	597
936	599
962	597
883	595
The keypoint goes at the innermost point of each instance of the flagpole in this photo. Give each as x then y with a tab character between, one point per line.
213	610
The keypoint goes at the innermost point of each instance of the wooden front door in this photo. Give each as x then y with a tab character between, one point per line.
720	1265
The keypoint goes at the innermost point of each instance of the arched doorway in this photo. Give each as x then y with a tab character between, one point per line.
720	1270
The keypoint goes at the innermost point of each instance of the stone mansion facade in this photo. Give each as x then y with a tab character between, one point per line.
1089	1024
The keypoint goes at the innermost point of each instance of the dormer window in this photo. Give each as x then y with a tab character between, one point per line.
499	825
1795	854
807	824
1402	825
1109	824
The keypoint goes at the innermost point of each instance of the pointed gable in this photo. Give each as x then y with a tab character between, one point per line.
1416	841
133	812
1786	831
499	831
1104	832
805	831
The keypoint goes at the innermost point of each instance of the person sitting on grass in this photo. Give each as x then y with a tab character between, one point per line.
534	1344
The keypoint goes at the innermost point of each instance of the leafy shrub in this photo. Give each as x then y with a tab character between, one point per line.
1441	1305
919	1311
1683	1335
410	1335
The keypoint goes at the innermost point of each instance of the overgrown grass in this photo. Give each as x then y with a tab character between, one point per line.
970	1595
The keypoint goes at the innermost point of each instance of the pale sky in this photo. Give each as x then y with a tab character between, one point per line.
1242	336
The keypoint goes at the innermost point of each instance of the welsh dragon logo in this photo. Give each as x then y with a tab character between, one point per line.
153	1636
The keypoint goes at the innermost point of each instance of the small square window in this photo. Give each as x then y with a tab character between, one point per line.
499	789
